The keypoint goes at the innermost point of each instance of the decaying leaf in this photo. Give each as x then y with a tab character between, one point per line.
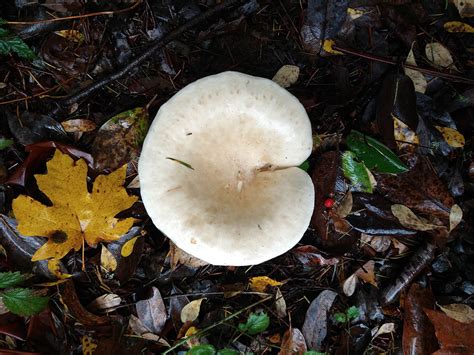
465	7
345	206
287	75
190	312
152	312
71	35
385	328
76	215
457	26
453	336
417	77
460	312
293	342
409	219
452	136
349	285
310	255
78	125
54	266
88	345
280	304
260	283
315	323
366	273
439	56
118	140
105	303
406	138
455	217
107	260
179	257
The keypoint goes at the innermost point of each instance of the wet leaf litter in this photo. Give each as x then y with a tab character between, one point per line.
381	265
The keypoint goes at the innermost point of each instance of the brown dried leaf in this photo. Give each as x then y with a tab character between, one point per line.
78	125
460	312
410	220
180	257
152	312
105	303
280	304
366	273
310	255
293	342
349	285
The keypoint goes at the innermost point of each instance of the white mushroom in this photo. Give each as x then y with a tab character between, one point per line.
219	169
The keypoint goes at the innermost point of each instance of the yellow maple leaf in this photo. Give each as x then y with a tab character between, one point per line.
76	214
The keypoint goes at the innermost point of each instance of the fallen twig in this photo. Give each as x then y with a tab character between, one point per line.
160	43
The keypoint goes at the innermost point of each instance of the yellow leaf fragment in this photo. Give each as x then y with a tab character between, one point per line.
455	217
354	14
127	248
71	35
457	26
190	312
260	283
54	266
107	260
287	75
452	137
192	341
76	215
88	345
328	47
460	312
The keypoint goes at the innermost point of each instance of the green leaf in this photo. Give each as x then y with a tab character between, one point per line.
205	349
2	21
23	301
356	172
256	323
305	166
10	279
5	143
4	32
312	352
227	352
16	45
374	154
340	318
352	312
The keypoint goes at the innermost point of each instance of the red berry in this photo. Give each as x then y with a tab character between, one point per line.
329	202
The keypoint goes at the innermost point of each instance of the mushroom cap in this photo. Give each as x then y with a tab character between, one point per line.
219	169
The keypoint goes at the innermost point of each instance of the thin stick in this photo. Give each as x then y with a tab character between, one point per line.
148	53
385	60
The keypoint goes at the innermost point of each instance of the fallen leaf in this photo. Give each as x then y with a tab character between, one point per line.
453	336
410	220
460	312
280	304
127	248
366	273
439	56
260	283
287	75
256	323
310	255
419	80
356	172
328	47
354	14
345	206
118	140
349	285
385	328
107	260
455	217
78	125
452	136
315	323
152	312
76	215
71	35
55	266
293	342
179	257
418	332
465	7
105	303
457	26
88	345
406	139
190	312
